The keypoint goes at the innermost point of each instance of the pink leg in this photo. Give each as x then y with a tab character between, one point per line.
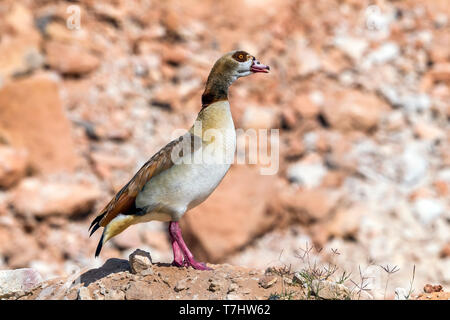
177	254
175	232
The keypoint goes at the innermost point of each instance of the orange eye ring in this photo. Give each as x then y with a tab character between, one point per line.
241	56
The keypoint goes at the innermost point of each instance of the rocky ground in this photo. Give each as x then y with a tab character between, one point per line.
140	279
358	89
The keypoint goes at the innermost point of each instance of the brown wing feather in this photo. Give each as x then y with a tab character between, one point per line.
124	201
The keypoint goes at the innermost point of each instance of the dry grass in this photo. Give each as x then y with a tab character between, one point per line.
325	280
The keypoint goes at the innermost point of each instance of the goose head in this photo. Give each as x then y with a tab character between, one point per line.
230	67
237	64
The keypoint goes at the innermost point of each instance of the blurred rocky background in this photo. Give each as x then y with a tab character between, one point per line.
359	90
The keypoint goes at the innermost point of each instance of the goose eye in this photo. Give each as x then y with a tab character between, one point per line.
240	56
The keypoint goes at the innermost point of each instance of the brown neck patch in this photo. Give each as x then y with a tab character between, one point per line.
216	88
209	97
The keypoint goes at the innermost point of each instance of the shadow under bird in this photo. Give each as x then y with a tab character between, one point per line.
168	185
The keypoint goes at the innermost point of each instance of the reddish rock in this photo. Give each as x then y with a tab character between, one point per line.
311	205
442	187
129	239
36	122
428	131
12	165
70	58
346	221
304	105
429	288
259	118
138	290
233	215
445	252
22	250
20	42
441	72
333	179
41	198
440	46
354	110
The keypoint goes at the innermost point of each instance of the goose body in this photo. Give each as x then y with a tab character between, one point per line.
200	179
187	170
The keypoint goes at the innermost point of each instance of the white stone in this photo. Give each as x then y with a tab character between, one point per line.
141	262
384	54
308	174
413	164
13	281
351	46
428	210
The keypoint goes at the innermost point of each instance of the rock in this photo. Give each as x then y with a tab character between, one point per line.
352	47
70	59
127	240
441	187
40	198
445	251
19	56
413	165
219	226
330	290
307	62
435	296
309	205
114	295
267	281
19	18
346	221
233	287
36	122
306	174
429	288
181	285
354	110
259	118
384	54
215	285
440	47
428	131
16	281
22	250
333	179
428	210
306	106
411	102
441	72
13	165
395	120
84	294
138	290
141	262
20	49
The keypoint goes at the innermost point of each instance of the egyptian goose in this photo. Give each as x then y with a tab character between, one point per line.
187	170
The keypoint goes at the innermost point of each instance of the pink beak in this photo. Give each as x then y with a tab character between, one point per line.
259	67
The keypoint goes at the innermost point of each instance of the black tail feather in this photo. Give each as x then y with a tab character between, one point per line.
94	229
95	224
99	246
96	220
